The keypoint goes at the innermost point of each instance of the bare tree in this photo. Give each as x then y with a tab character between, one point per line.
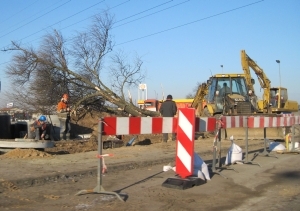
124	74
58	66
195	89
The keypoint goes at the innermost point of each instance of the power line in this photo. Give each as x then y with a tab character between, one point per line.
35	19
31	16
218	14
68	25
176	27
63	19
151	14
93	15
18	12
90	17
144	11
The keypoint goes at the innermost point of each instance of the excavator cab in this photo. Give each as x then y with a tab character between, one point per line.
278	97
279	101
228	95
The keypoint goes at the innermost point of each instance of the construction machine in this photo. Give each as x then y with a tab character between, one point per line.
275	99
223	94
230	95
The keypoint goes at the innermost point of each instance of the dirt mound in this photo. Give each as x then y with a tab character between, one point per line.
25	153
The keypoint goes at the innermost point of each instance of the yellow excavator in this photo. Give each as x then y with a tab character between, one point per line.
275	99
233	95
223	94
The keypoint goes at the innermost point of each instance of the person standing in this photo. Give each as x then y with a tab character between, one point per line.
168	109
64	116
40	128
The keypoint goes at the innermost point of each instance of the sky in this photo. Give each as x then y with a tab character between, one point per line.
181	42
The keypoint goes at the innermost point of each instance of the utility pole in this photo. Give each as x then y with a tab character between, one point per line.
278	61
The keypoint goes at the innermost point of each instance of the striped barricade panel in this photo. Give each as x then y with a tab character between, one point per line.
204	124
263	122
288	114
138	125
234	121
185	142
297	120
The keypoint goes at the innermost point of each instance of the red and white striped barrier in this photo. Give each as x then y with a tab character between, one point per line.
139	125
287	114
297	120
155	125
234	121
151	125
263	122
185	142
204	124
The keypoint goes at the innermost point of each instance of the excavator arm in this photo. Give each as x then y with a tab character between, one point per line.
199	98
265	83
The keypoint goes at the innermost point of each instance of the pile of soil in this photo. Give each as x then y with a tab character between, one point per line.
26	153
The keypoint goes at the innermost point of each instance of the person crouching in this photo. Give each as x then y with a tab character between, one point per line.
40	128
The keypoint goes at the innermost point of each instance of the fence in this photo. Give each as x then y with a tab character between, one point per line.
185	126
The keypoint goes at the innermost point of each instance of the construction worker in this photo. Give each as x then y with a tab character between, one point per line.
225	90
63	113
253	99
40	127
276	99
219	100
168	109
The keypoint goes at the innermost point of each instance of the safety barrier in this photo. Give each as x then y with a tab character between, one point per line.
185	126
151	125
265	122
185	142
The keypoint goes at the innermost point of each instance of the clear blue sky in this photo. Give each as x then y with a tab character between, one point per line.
181	42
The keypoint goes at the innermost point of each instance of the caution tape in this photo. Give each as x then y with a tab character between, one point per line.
104	167
104	155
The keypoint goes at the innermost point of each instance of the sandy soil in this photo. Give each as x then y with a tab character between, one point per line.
273	186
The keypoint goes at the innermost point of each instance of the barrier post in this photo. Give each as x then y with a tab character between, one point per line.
217	146
265	152
99	188
185	152
246	161
293	137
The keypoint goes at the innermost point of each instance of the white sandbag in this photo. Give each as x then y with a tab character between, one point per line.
275	146
200	168
235	153
205	171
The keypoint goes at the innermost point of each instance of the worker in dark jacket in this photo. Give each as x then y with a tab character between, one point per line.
168	109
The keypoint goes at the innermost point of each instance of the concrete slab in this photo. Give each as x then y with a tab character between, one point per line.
26	143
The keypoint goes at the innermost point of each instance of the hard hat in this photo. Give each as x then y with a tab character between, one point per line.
169	97
66	96
250	91
277	93
42	118
217	92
